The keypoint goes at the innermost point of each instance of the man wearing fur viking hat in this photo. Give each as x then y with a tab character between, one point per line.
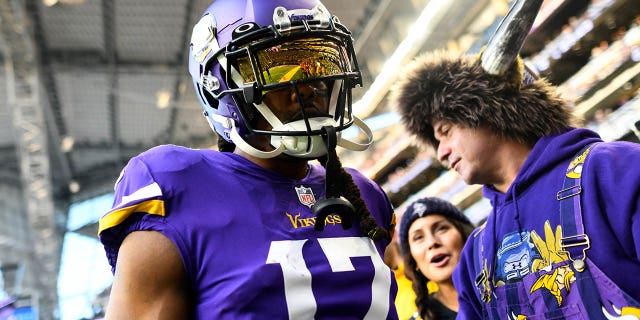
563	239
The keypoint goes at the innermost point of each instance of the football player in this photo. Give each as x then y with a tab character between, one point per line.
254	230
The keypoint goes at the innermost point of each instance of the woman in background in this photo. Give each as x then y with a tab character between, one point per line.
432	234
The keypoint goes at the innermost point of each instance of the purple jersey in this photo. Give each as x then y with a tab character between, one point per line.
247	239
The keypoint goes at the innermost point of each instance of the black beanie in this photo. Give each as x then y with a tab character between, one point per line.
422	208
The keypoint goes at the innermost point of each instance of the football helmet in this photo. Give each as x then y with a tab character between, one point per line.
242	50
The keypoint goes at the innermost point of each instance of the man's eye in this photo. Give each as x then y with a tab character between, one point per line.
321	92
442	131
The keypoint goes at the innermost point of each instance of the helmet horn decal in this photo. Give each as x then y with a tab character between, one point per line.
505	43
203	38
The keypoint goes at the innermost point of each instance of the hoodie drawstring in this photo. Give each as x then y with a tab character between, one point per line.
515	205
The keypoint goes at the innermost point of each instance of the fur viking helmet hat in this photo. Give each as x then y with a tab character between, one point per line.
496	90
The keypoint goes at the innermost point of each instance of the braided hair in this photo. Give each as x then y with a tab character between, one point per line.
368	225
224	145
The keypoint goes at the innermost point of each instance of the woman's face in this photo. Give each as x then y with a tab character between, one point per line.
435	245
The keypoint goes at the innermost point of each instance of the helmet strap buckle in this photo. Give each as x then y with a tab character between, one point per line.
333	202
251	93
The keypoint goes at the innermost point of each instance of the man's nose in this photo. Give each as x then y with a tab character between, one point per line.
303	92
443	152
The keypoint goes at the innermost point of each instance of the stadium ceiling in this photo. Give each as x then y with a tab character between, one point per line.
111	79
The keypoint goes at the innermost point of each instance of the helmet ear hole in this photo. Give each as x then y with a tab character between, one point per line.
206	96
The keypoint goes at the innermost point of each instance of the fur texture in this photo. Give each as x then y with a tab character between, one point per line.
443	86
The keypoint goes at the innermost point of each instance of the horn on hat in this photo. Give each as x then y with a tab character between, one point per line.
505	43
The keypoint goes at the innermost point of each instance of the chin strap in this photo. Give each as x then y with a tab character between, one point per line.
281	147
243	145
334	187
355	146
342	142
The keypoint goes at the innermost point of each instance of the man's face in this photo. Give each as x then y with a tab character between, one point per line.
471	152
288	104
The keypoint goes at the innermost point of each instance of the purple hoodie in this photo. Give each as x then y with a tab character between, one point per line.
519	240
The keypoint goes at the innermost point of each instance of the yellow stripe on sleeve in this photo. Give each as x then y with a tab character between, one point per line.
116	217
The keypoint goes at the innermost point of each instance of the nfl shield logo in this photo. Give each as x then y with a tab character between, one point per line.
305	195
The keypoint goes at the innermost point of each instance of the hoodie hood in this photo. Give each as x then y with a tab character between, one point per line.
539	179
513	246
549	152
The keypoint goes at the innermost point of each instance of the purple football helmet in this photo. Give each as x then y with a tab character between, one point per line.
241	50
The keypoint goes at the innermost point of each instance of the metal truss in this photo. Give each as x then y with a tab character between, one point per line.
20	62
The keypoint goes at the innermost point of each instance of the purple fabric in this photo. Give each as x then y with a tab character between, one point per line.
226	216
6	308
515	236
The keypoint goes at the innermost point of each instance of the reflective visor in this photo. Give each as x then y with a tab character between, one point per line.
295	60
